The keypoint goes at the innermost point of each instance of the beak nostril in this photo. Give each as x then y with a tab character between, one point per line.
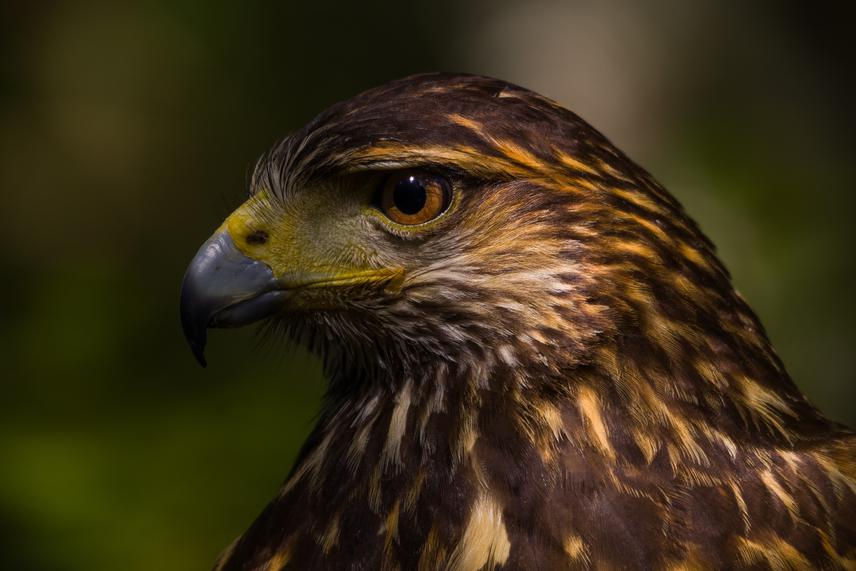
257	238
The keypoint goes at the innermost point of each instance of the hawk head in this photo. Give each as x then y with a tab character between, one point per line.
456	222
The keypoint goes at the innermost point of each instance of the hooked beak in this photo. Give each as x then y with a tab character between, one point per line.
224	288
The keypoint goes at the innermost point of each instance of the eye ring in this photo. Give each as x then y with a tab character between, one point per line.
413	197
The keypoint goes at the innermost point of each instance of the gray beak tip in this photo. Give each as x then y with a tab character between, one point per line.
197	341
194	323
199	353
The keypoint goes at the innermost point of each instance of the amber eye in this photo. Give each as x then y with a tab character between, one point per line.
413	197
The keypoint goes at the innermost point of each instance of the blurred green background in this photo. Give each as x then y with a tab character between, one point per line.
128	130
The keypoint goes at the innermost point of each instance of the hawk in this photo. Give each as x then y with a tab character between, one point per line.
535	358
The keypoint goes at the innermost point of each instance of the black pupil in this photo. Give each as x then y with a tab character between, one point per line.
409	195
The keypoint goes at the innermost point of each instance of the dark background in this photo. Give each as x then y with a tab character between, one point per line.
127	132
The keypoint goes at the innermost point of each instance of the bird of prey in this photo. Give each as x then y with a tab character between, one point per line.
535	358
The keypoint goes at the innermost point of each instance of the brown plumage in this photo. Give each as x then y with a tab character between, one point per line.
552	370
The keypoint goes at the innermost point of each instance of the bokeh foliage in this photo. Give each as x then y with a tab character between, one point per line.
127	131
